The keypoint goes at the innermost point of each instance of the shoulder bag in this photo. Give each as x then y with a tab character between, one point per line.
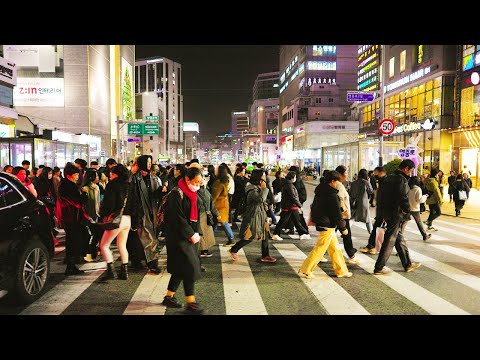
112	221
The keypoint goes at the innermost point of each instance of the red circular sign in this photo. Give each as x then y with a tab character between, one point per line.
386	126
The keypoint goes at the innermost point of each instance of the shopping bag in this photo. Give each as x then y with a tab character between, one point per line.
462	195
379	238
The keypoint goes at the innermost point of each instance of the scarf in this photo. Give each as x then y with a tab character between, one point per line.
192	196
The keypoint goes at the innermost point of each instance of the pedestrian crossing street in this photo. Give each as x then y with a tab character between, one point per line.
447	283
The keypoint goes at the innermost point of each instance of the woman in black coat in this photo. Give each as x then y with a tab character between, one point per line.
182	232
238	199
46	191
114	202
459	185
451	180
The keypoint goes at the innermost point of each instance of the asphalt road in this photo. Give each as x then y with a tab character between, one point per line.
446	283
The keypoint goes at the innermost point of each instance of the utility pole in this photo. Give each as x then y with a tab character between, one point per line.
382	102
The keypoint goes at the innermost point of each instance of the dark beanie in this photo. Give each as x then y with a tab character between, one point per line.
142	162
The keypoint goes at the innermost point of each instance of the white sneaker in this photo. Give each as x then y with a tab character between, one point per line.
305	237
352	260
311	276
323	260
347	275
276	237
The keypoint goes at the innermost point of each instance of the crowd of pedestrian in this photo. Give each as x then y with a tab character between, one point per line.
142	203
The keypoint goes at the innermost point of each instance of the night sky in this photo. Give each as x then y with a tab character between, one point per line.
216	79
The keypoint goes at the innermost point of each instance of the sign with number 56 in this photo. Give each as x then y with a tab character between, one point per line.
386	126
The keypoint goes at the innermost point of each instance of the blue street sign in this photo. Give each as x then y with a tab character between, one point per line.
360	97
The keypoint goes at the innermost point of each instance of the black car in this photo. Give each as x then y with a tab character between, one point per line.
26	241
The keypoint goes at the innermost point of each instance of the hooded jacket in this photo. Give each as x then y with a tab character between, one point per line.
326	208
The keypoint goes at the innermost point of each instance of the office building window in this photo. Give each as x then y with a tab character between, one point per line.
403	59
391	68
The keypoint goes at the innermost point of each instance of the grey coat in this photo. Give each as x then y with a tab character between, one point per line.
360	190
255	217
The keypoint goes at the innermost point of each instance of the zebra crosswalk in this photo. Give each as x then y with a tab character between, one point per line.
446	283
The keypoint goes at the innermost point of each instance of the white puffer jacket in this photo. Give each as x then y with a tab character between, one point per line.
415	198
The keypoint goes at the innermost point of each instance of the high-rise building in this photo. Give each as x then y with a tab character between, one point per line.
417	84
266	86
161	77
314	80
240	126
73	90
191	133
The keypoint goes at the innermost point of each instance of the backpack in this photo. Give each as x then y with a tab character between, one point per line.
161	210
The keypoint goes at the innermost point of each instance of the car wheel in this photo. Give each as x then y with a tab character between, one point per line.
32	272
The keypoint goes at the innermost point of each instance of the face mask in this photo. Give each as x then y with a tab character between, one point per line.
193	187
50	176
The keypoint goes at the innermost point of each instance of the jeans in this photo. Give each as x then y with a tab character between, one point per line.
272	216
435	212
228	230
347	240
327	241
418	220
371	240
394	237
295	216
242	243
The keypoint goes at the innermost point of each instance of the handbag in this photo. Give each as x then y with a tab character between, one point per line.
112	221
380	236
278	197
210	220
462	195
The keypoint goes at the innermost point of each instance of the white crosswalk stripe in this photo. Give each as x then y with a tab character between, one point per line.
241	292
149	295
471	229
61	296
428	301
459	252
330	294
447	270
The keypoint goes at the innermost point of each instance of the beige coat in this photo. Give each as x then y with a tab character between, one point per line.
344	200
220	198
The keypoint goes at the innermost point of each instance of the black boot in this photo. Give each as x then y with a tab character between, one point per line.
73	270
153	267
110	273
123	274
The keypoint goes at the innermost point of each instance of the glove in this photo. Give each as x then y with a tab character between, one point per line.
195	238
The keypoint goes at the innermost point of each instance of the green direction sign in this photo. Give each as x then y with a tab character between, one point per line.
150	129
135	129
151	117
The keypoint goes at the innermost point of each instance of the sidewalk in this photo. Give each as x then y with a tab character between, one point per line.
471	210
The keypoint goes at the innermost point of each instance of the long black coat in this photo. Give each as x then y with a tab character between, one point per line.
182	255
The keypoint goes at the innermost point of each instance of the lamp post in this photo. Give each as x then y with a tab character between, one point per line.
382	103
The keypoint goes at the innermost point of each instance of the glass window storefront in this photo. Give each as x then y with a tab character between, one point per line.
21	151
466	152
470	105
4	154
416	103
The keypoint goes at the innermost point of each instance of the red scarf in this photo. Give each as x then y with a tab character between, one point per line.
192	196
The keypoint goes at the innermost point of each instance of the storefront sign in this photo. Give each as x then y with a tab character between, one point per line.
8	72
22	55
320	80
5	131
428	124
6	96
44	92
407	79
287	130
127	94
